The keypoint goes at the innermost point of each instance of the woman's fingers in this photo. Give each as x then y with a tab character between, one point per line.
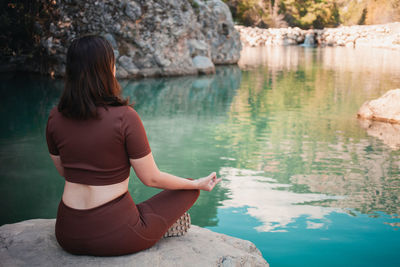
207	183
213	181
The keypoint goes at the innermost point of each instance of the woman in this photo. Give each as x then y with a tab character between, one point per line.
94	137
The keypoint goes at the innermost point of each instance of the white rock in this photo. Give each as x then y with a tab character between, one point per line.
349	44
127	64
386	108
203	65
33	243
353	36
363	42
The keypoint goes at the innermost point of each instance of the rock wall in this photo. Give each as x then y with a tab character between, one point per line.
385	35
33	243
150	38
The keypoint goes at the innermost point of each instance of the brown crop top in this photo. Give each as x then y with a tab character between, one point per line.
97	152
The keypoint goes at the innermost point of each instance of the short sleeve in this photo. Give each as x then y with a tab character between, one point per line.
132	128
49	137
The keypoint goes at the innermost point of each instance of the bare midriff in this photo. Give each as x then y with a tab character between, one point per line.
82	196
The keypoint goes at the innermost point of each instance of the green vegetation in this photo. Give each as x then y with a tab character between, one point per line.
313	13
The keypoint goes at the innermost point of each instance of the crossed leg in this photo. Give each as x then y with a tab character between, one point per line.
162	210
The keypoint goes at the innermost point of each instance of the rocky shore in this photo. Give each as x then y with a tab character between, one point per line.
168	38
381	118
385	108
383	36
150	38
33	243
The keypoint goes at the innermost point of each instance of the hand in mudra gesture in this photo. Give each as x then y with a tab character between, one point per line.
207	183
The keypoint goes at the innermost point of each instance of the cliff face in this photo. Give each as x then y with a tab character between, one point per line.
33	243
150	38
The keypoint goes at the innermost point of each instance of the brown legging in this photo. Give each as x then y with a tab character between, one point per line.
120	226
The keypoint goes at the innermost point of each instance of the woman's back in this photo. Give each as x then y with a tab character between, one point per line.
95	153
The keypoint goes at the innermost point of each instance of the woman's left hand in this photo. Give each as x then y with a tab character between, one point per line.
207	183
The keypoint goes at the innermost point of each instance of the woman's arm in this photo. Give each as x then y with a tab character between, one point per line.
148	172
57	162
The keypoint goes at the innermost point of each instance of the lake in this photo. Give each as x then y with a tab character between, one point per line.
303	179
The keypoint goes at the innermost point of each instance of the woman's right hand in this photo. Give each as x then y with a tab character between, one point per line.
208	183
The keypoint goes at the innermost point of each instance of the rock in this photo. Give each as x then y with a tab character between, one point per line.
133	10
219	31
111	39
203	65
121	73
33	243
127	64
385	36
381	118
198	48
157	37
385	109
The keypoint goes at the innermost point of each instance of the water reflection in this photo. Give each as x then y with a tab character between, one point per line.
271	202
374	61
388	133
192	95
294	118
25	102
29	184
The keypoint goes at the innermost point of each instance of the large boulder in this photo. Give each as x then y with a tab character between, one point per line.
385	109
33	243
149	37
218	29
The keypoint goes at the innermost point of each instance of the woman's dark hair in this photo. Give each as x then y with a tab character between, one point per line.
89	79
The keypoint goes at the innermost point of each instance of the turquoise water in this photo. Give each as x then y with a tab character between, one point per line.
302	178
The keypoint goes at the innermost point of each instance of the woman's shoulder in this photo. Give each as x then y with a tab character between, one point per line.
54	112
109	112
118	110
124	113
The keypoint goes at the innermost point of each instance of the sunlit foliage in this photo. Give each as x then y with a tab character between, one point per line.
313	13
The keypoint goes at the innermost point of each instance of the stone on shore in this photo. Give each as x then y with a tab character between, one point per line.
384	109
203	65
33	243
382	36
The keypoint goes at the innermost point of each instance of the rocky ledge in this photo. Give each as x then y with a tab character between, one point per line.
32	243
384	36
